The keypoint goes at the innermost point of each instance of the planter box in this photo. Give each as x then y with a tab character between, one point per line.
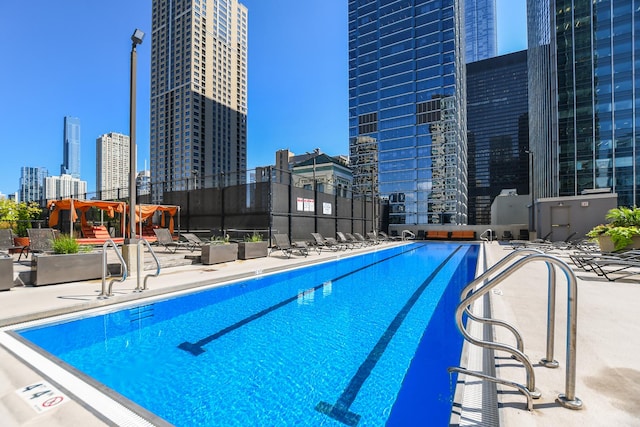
217	253
51	269
6	274
607	245
248	250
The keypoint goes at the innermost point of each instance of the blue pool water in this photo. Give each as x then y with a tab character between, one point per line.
362	341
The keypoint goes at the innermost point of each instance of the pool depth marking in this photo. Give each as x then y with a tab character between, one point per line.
340	411
196	347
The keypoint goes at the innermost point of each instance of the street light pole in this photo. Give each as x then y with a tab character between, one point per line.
136	39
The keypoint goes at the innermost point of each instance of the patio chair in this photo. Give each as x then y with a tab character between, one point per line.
325	243
343	240
373	238
40	240
357	238
385	236
194	241
6	241
165	239
282	243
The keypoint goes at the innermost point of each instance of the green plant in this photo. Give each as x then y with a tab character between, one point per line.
66	244
220	239
623	225
255	237
19	214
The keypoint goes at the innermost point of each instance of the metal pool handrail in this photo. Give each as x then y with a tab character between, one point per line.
483	278
153	254
106	293
568	399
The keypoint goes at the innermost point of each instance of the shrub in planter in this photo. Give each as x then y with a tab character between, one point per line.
253	247
623	226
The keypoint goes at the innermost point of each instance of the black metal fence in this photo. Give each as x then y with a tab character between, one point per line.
270	203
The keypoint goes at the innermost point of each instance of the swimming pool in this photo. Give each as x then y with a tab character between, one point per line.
362	341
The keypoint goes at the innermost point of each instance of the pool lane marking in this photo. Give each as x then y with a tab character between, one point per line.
196	347
340	411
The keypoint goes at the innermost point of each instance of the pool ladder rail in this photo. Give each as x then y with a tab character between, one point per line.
484	283
107	290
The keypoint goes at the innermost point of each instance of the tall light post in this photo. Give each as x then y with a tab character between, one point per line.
533	186
136	39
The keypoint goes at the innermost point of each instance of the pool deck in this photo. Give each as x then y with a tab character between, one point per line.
608	343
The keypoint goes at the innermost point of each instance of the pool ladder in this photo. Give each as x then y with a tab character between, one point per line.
484	283
107	290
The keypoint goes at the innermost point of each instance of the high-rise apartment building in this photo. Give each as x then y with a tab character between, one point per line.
71	147
112	166
584	95
32	184
198	93
481	37
407	91
498	131
64	186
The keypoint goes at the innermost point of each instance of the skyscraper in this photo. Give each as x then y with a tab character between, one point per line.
498	131
32	184
481	39
407	91
71	147
112	166
198	93
584	63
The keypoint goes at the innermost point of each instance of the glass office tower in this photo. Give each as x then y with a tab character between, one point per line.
498	131
595	119
71	148
407	92
481	39
32	184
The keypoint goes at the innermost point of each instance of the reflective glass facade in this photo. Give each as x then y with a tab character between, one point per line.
71	147
498	131
407	92
594	49
481	40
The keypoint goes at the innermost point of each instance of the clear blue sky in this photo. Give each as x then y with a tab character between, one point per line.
71	57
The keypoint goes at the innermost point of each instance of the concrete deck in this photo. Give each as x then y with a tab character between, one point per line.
608	371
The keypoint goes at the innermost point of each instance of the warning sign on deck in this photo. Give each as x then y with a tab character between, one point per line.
42	396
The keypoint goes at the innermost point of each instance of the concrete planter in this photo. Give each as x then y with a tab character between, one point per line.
6	273
607	245
51	269
248	250
218	253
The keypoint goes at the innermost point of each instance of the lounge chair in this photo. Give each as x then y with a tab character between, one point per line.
363	241
282	243
321	243
40	240
348	243
385	236
193	240
371	237
165	239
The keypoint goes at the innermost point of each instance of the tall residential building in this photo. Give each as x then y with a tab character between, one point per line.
32	184
481	37
407	91
71	147
64	186
498	131
584	95
198	93
112	166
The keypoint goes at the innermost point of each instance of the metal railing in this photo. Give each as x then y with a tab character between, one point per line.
106	292
484	283
487	235
139	272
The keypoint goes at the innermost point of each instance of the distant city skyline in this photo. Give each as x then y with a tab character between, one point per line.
297	101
